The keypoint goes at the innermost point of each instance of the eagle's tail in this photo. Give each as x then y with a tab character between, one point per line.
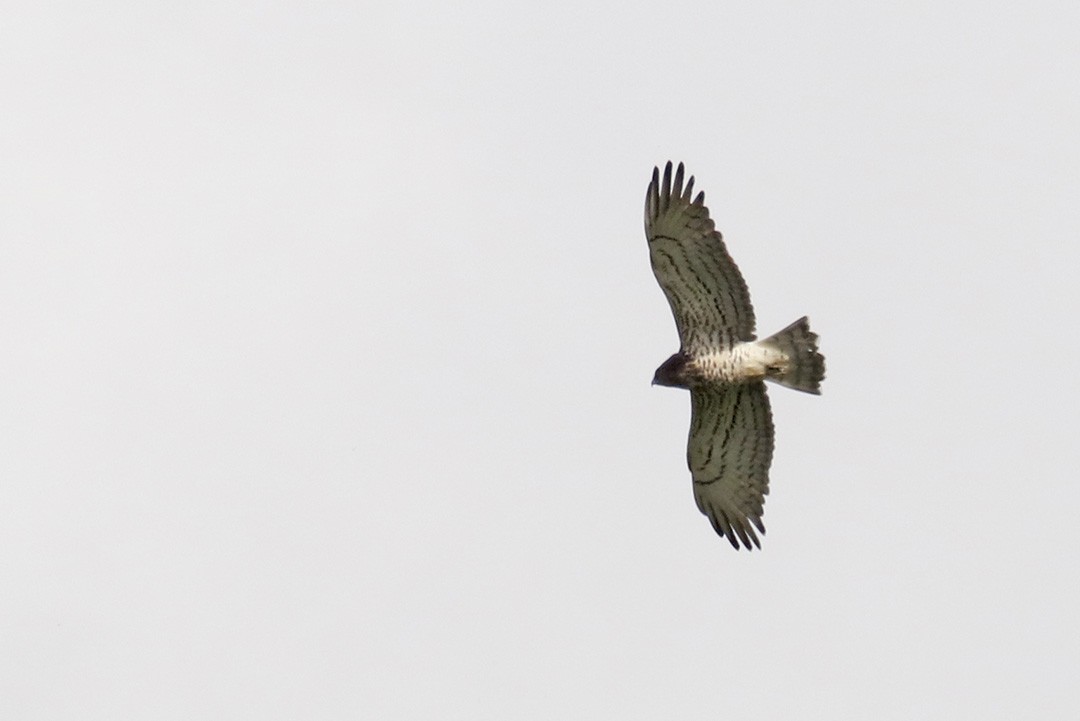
805	367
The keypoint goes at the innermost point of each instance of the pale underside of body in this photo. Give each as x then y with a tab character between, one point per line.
744	363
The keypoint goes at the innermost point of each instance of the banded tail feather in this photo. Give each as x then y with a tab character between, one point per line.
805	368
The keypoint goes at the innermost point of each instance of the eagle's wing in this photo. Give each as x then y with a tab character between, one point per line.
729	452
707	293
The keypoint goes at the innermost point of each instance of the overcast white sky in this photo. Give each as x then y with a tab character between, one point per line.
326	333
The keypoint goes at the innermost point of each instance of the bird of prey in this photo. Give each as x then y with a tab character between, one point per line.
719	361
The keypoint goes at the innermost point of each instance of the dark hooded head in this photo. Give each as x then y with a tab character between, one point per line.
672	372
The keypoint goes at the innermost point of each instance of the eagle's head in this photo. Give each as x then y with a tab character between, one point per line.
672	372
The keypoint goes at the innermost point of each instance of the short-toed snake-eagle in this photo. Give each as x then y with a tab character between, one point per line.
719	360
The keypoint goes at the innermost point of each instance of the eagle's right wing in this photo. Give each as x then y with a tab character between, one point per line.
729	453
705	289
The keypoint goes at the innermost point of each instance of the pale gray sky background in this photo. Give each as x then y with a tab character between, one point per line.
327	332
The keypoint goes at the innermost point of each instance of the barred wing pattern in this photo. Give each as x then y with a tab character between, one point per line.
729	453
705	289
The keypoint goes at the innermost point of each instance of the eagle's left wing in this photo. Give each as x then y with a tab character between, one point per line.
729	453
704	287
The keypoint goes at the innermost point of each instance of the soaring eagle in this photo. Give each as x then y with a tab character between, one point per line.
719	360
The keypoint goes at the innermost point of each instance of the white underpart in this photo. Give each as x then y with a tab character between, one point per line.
743	363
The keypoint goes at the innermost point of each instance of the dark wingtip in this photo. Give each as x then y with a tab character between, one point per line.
756	520
665	188
738	530
652	197
673	187
743	535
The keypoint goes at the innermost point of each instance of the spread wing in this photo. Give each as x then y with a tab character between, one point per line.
729	452
707	293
